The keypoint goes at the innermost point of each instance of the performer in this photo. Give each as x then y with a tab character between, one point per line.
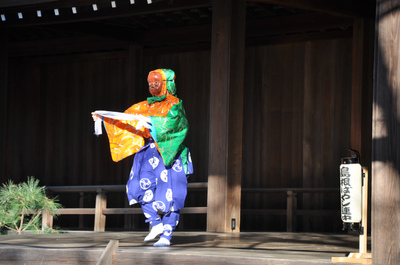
154	131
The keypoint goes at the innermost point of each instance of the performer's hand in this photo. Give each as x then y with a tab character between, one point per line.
95	116
143	122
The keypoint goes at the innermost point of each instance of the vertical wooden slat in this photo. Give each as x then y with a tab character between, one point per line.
297	118
136	78
357	85
311	119
386	136
3	98
226	115
273	160
286	116
327	99
361	105
249	139
135	91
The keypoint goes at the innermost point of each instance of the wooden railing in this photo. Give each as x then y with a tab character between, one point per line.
100	210
291	210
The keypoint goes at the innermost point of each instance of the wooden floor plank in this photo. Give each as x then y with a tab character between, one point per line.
84	247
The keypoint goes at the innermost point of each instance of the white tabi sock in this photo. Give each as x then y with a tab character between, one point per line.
155	231
163	242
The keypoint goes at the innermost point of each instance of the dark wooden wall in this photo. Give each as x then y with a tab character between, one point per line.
49	104
297	126
297	104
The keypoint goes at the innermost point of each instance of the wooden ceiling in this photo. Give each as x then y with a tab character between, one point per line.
69	25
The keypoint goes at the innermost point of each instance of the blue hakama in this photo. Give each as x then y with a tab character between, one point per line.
160	190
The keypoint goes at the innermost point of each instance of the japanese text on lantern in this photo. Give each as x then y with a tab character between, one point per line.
345	193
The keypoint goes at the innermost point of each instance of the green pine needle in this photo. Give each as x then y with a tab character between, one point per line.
21	205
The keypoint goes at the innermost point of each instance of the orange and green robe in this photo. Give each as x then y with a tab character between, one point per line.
169	126
169	129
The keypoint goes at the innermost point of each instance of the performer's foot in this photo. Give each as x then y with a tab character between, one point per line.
155	231
163	242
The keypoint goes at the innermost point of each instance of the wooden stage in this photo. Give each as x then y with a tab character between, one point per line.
78	247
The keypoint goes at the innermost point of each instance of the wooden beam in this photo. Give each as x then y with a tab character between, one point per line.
85	11
95	29
107	258
272	40
109	188
65	45
10	3
226	116
255	28
258	31
385	231
300	23
349	8
76	211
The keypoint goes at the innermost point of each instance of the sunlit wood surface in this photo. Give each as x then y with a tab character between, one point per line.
186	248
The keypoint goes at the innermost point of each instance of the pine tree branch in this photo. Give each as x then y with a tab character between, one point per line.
21	223
12	229
32	220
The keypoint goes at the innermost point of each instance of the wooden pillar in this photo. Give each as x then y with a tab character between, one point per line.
291	207
81	205
47	220
99	217
3	98
226	116
386	136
